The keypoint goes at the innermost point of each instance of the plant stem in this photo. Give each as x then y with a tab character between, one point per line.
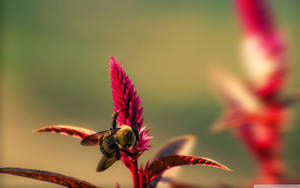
135	174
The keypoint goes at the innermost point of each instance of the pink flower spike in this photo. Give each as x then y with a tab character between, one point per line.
255	17
143	143
263	48
126	101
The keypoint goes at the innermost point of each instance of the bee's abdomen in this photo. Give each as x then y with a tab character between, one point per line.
109	148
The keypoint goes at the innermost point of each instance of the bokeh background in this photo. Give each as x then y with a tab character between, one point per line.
55	70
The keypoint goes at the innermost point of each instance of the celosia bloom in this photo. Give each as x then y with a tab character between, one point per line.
263	48
254	108
256	123
128	104
264	53
128	108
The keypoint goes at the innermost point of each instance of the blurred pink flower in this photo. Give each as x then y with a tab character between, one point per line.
264	55
254	108
263	47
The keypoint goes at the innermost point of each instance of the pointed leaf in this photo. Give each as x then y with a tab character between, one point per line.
234	118
48	177
234	93
77	132
175	146
162	164
240	102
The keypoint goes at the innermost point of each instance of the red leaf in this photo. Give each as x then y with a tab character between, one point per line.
239	101
76	132
48	177
174	146
162	164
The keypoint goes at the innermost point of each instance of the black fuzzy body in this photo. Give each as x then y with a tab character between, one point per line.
108	145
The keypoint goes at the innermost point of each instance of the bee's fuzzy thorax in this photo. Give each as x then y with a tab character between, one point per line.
126	136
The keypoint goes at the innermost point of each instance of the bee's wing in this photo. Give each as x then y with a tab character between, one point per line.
105	163
93	139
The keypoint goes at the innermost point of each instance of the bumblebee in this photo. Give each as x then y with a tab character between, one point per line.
112	142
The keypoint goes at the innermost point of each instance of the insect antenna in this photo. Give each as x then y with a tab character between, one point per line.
114	122
136	132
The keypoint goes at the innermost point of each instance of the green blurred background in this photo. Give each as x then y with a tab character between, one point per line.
56	71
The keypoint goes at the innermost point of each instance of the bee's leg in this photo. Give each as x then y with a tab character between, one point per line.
136	132
114	123
118	155
129	153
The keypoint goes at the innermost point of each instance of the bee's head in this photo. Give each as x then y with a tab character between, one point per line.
126	137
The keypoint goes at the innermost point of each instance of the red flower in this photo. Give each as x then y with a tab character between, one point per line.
127	103
254	108
264	49
257	123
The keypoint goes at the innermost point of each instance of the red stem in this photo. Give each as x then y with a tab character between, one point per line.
135	174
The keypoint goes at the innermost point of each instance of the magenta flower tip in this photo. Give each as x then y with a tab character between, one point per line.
255	16
145	139
266	57
127	102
